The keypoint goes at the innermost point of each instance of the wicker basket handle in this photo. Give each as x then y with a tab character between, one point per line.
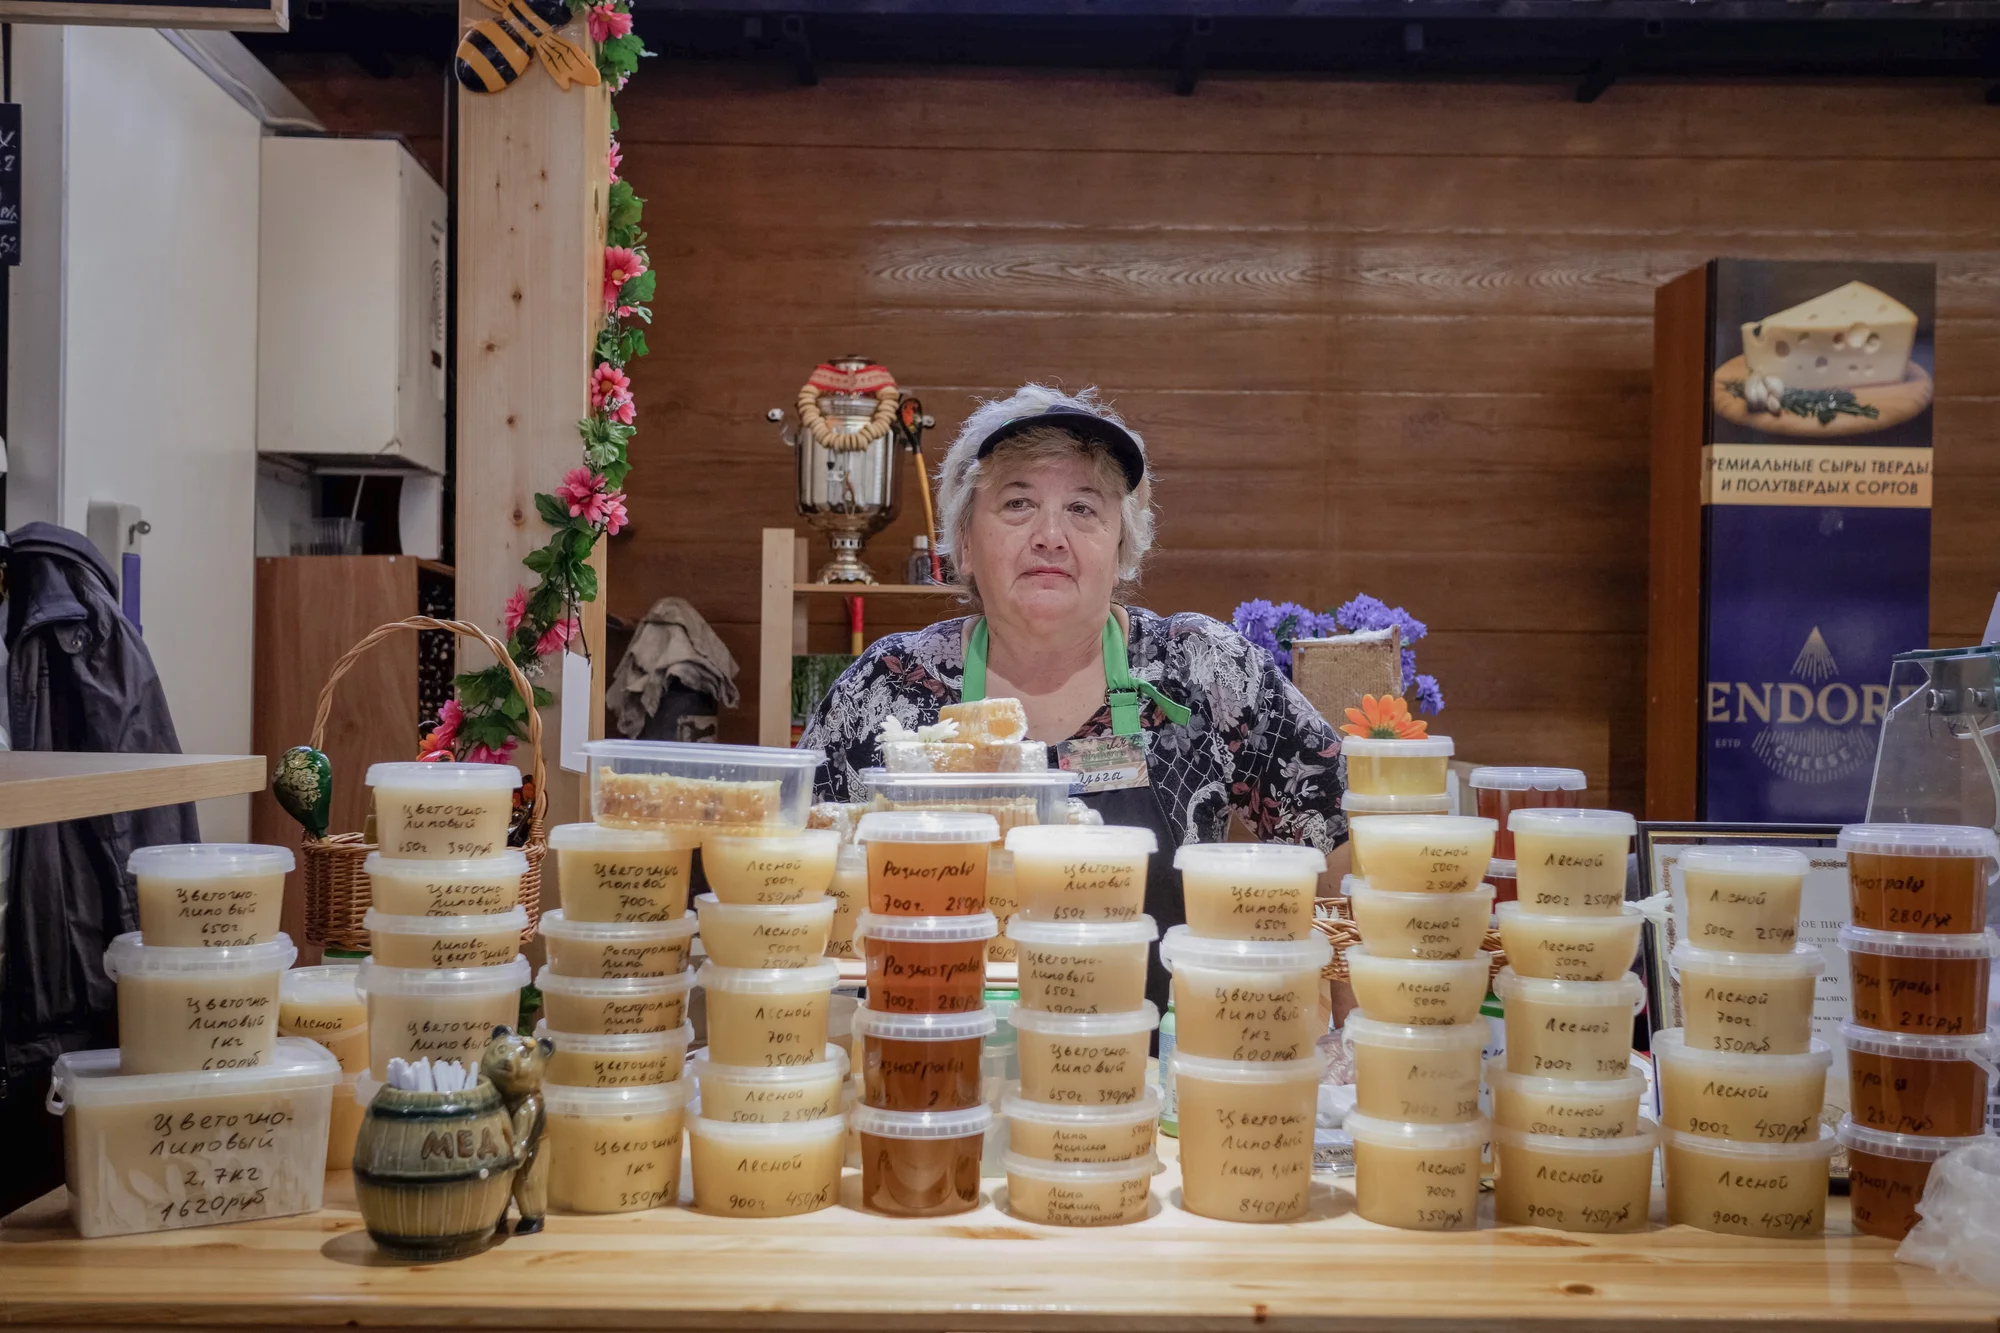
464	629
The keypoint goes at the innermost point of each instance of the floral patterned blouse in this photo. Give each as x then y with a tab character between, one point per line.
1253	742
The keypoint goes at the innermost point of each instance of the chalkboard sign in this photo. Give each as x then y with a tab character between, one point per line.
234	15
10	184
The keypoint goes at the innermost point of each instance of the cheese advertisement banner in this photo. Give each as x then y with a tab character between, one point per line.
1816	502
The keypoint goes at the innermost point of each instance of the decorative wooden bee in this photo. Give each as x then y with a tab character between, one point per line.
496	51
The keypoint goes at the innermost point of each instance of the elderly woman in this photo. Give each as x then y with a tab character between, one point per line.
1046	510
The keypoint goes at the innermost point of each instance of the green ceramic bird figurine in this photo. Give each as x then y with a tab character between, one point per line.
303	785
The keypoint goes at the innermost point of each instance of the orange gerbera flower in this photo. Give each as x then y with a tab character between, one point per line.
1384	719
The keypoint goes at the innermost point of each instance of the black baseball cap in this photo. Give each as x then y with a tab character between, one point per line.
1085	426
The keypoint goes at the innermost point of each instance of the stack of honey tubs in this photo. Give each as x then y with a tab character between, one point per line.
1920	1055
616	985
1570	1150
1743	1083
1419	979
198	1047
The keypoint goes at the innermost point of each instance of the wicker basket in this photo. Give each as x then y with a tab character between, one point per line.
337	889
1341	932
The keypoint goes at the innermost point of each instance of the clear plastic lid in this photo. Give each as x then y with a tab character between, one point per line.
800	842
1905	1147
445	777
901	787
1355	887
926	826
1420	971
1082	934
614	988
644	1099
1898	944
330	983
1378	1133
459	981
557	926
748	1132
1361	803
210	860
1433	826
1310	1069
1980	1047
1642	1140
1805	1150
1804	960
1556	822
1670	1046
923	1124
1526	779
91	1078
1180	946
1085	1117
627	1044
1625	990
925	929
621	841
851	859
1249	858
128	956
833	1064
708	907
1535	920
769	980
1423	747
1919	840
513	861
1079	1173
512	921
923	1027
1122	1024
728	761
1366	1031
1501	869
1746	861
1084	840
1584	1089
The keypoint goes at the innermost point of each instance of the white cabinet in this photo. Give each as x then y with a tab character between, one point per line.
351	305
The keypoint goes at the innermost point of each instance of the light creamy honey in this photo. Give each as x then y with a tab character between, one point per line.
433	943
765	935
1423	992
1420	925
1568	1029
622	874
1570	862
321	1003
1246	1136
1569	948
1052	1133
1743	899
1414	1176
1245	1000
197	1008
614	1150
1359	807
442	812
1574	1184
1749	1098
1080	873
1078	1194
1003	899
1084	1059
343	1122
1083	967
611	1005
1396	767
627	1060
777	1095
1748	1189
416	1015
1565	1108
849	892
772	869
766	1170
445	888
767	1018
1249	891
1756	1003
1425	1075
206	895
1426	853
608	950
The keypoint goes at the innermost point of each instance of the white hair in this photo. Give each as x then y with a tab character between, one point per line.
960	474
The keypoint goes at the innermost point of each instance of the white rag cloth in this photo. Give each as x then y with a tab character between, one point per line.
673	642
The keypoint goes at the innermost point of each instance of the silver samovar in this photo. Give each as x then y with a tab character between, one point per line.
852	422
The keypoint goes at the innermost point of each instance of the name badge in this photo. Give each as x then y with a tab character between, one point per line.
1105	763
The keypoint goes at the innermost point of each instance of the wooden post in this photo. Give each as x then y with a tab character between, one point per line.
776	642
1673	644
532	182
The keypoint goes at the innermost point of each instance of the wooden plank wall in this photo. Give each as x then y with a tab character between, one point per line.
1380	337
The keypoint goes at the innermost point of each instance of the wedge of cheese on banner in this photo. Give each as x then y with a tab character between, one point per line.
1843	339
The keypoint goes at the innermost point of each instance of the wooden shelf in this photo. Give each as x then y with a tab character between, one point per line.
878	589
844	1269
41	787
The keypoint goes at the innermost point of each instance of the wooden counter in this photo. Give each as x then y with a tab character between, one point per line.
843	1269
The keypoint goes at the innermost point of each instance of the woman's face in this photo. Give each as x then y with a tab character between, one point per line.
1044	540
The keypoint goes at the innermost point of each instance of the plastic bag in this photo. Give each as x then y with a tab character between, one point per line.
1958	1232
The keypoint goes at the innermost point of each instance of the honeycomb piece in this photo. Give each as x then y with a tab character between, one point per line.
840	816
989	721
